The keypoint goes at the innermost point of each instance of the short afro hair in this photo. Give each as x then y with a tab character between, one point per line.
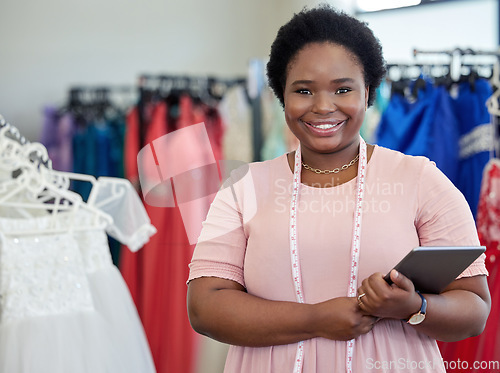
325	24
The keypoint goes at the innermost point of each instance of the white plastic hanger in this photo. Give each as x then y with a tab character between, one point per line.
36	190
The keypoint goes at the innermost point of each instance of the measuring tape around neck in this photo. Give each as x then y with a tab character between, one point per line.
355	245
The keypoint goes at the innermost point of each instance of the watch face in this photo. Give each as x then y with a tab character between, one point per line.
416	319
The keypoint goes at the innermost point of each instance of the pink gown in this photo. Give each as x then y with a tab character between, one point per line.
408	202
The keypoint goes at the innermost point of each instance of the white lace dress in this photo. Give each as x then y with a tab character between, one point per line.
64	306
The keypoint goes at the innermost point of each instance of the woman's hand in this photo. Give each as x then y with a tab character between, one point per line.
459	312
342	319
223	310
396	301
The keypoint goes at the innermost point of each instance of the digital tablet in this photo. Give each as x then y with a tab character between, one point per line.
431	269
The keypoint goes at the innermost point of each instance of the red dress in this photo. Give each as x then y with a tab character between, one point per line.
485	348
157	274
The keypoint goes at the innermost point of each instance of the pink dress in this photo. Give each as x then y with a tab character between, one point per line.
408	202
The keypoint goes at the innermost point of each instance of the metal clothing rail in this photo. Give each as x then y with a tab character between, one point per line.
458	51
460	58
189	78
81	93
187	82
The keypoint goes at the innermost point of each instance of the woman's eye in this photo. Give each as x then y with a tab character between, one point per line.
343	90
303	91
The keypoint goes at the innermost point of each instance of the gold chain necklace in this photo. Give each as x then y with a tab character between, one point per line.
334	171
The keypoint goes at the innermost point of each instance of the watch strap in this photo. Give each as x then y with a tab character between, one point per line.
423	308
419	316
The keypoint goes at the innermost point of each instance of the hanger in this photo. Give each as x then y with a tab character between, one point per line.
420	84
35	190
61	180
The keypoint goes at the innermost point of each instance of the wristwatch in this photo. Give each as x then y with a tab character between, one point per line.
418	317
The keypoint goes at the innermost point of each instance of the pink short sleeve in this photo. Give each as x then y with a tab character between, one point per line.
220	250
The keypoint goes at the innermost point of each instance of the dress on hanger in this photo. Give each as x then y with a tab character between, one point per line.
486	346
426	127
475	138
57	136
162	266
405	125
235	111
64	306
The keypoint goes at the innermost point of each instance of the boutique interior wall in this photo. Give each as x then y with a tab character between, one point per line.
46	47
440	26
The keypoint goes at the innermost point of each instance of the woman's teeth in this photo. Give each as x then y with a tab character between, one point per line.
324	126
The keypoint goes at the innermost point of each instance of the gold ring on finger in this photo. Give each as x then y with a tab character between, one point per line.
359	298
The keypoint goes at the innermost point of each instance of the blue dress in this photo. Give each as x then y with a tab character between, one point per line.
476	141
426	126
444	133
405	124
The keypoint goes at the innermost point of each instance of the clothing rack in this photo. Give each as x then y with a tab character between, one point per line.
458	65
459	54
94	102
164	84
207	89
92	93
453	57
457	51
430	65
447	67
463	57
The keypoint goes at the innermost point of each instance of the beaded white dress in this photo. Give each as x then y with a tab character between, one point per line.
64	306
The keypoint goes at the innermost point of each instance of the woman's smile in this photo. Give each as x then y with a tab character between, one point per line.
324	128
